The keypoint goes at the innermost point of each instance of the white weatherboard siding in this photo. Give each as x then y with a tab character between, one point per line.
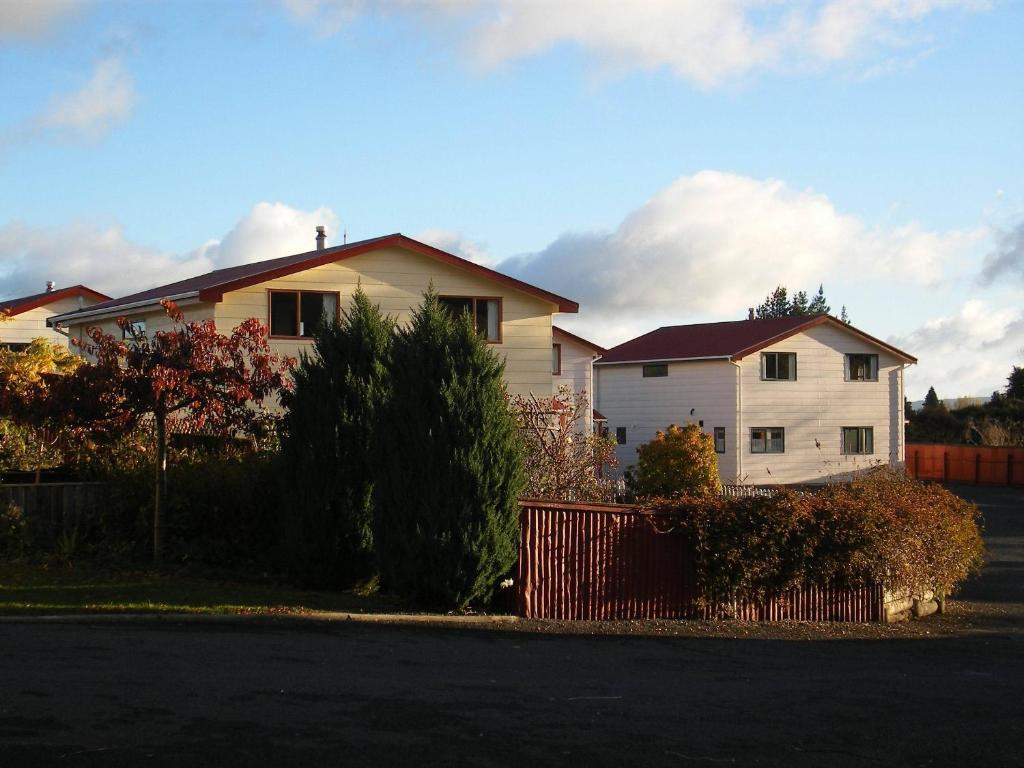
23	328
577	372
817	406
396	279
155	319
644	406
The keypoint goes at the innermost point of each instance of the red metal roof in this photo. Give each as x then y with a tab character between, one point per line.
730	340
578	339
213	285
25	303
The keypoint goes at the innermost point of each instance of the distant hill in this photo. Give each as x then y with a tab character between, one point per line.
952	403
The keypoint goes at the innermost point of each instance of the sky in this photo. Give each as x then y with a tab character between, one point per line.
661	162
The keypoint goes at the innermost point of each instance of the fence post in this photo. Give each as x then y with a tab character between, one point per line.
917	464
1009	469
977	468
945	466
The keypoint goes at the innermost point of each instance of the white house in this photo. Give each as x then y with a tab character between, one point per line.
291	295
572	364
25	317
788	400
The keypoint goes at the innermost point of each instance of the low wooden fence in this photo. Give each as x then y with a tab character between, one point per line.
966	464
52	508
610	561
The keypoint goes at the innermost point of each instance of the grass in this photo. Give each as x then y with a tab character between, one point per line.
35	589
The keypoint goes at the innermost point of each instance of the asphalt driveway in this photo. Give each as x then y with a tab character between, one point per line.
187	692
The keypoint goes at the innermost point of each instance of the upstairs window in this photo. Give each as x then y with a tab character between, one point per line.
862	367
767	440
297	314
133	329
655	370
620	435
556	359
778	366
858	440
486	313
719	439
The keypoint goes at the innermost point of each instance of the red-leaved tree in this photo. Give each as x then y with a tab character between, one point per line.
193	374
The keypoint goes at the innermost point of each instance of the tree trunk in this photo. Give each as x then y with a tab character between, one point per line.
161	487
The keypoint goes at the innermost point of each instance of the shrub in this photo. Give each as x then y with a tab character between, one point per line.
678	461
883	528
561	462
327	448
450	465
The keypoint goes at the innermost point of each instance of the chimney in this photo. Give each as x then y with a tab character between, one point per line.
50	285
321	238
750	314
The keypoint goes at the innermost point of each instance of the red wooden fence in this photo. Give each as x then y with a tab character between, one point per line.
609	561
966	464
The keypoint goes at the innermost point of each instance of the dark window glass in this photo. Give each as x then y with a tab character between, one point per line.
316	308
485	314
778	366
556	359
284	313
620	435
457	306
862	367
767	440
655	370
719	439
858	440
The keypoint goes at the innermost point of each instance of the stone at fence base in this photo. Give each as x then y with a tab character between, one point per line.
924	608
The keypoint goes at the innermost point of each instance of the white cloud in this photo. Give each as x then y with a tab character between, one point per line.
104	259
712	244
707	43
92	111
459	244
967	353
33	19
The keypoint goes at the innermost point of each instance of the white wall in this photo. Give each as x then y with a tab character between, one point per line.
817	406
577	372
644	406
22	328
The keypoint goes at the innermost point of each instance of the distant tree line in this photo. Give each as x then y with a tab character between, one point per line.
997	422
779	304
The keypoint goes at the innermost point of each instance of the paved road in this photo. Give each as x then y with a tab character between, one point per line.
185	693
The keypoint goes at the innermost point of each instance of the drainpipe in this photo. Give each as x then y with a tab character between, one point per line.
739	421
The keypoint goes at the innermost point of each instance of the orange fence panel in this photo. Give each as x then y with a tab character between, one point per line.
980	465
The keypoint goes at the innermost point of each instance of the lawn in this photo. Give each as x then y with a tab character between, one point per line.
33	589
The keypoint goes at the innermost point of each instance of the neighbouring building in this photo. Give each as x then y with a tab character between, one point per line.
291	294
787	400
25	317
572	364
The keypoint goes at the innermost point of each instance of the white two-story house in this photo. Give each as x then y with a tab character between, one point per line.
787	400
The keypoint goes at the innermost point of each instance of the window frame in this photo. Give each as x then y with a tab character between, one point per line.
764	366
658	366
475	299
556	359
719	437
861	433
298	310
767	439
129	335
848	368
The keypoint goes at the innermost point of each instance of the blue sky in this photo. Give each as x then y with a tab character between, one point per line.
662	162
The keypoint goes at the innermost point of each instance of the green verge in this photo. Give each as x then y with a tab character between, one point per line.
26	589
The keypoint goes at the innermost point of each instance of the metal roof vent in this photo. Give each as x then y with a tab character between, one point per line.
50	285
321	238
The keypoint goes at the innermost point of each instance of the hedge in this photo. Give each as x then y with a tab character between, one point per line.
884	528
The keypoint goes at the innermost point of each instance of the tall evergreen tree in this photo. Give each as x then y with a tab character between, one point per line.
775	304
931	400
818	305
800	304
450	465
1015	384
327	447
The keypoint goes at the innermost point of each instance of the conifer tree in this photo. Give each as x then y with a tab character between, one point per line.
775	305
800	304
327	447
450	465
818	305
